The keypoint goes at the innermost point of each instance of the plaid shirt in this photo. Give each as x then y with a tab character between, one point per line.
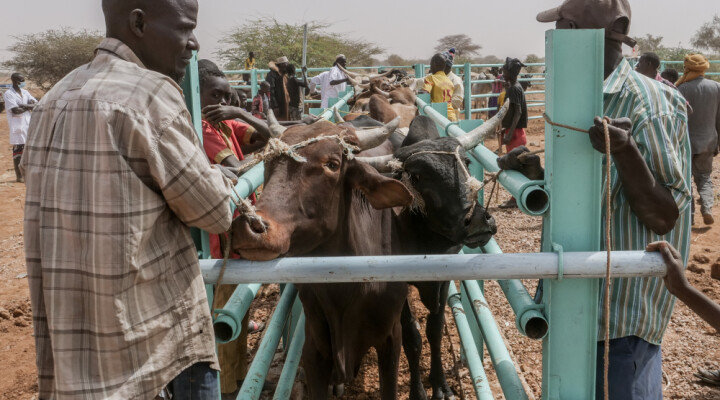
115	173
642	306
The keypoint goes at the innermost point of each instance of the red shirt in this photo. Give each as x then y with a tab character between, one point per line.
220	142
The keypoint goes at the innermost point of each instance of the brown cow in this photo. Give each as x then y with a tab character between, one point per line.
382	110
332	205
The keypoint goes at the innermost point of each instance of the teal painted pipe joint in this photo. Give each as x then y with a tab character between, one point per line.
529	319
228	324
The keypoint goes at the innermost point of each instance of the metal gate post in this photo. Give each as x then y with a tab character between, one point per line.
573	223
468	91
253	82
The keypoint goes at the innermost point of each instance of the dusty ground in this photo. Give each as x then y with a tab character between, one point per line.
689	342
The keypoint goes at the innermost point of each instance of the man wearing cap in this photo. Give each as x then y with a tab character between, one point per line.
279	94
650	196
704	124
331	82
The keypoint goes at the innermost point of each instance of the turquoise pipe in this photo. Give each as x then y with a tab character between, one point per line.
529	319
472	353
468	91
255	377
247	183
283	391
228	324
342	101
504	367
532	197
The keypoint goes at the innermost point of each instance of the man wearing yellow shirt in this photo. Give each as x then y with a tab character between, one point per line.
439	85
249	65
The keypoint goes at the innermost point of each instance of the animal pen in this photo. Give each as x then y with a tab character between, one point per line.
569	200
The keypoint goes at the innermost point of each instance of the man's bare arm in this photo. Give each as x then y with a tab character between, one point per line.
650	201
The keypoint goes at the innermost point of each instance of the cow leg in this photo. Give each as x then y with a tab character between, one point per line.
388	363
435	300
317	370
412	344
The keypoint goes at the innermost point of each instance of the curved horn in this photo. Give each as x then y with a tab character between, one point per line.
380	163
382	92
348	73
370	138
393	79
275	128
338	118
386	73
353	82
477	135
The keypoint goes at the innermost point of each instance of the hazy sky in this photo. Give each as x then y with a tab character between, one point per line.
407	28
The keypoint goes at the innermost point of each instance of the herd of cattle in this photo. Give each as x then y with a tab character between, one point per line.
359	187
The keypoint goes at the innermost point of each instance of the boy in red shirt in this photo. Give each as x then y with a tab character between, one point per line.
225	139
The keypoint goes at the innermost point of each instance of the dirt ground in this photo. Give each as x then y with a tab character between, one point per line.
689	342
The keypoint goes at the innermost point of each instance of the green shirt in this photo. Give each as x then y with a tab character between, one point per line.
642	306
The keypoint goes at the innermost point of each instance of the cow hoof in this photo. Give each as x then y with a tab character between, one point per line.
421	395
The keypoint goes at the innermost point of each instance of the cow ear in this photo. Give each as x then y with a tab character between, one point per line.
381	192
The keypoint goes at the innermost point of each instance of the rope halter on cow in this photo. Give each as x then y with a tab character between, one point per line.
472	185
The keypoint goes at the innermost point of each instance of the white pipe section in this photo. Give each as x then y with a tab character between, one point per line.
435	267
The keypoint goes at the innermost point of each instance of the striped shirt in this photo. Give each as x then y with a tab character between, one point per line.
642	306
114	174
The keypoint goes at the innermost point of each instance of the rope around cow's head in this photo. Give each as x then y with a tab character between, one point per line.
472	185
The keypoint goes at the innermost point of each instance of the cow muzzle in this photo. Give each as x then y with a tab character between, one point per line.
480	228
259	238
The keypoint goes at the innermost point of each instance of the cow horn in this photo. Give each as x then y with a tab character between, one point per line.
382	92
477	135
386	73
353	82
364	86
380	163
370	138
338	118
348	73
393	79
275	128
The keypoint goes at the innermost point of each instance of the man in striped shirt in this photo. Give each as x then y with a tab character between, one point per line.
650	184
115	174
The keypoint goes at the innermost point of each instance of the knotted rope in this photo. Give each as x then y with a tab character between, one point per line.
472	185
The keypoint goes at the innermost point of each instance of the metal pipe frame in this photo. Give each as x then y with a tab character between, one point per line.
529	319
441	267
504	366
255	377
471	352
532	197
228	324
283	391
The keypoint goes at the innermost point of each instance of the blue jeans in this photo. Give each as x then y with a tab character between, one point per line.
197	382
635	371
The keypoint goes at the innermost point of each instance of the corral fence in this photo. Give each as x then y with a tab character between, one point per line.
534	76
570	264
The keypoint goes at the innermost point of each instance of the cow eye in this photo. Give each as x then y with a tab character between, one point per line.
332	165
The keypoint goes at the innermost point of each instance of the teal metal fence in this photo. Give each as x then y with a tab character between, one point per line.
566	320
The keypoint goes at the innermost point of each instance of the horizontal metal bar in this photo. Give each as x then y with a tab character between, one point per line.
434	267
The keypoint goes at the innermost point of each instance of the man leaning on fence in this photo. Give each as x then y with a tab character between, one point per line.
650	196
115	174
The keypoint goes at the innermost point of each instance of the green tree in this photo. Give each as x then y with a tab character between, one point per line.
463	44
708	36
649	43
270	39
48	56
533	59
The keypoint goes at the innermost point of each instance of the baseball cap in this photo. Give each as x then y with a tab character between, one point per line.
589	14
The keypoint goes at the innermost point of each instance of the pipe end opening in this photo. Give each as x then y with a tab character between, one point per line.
536	328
